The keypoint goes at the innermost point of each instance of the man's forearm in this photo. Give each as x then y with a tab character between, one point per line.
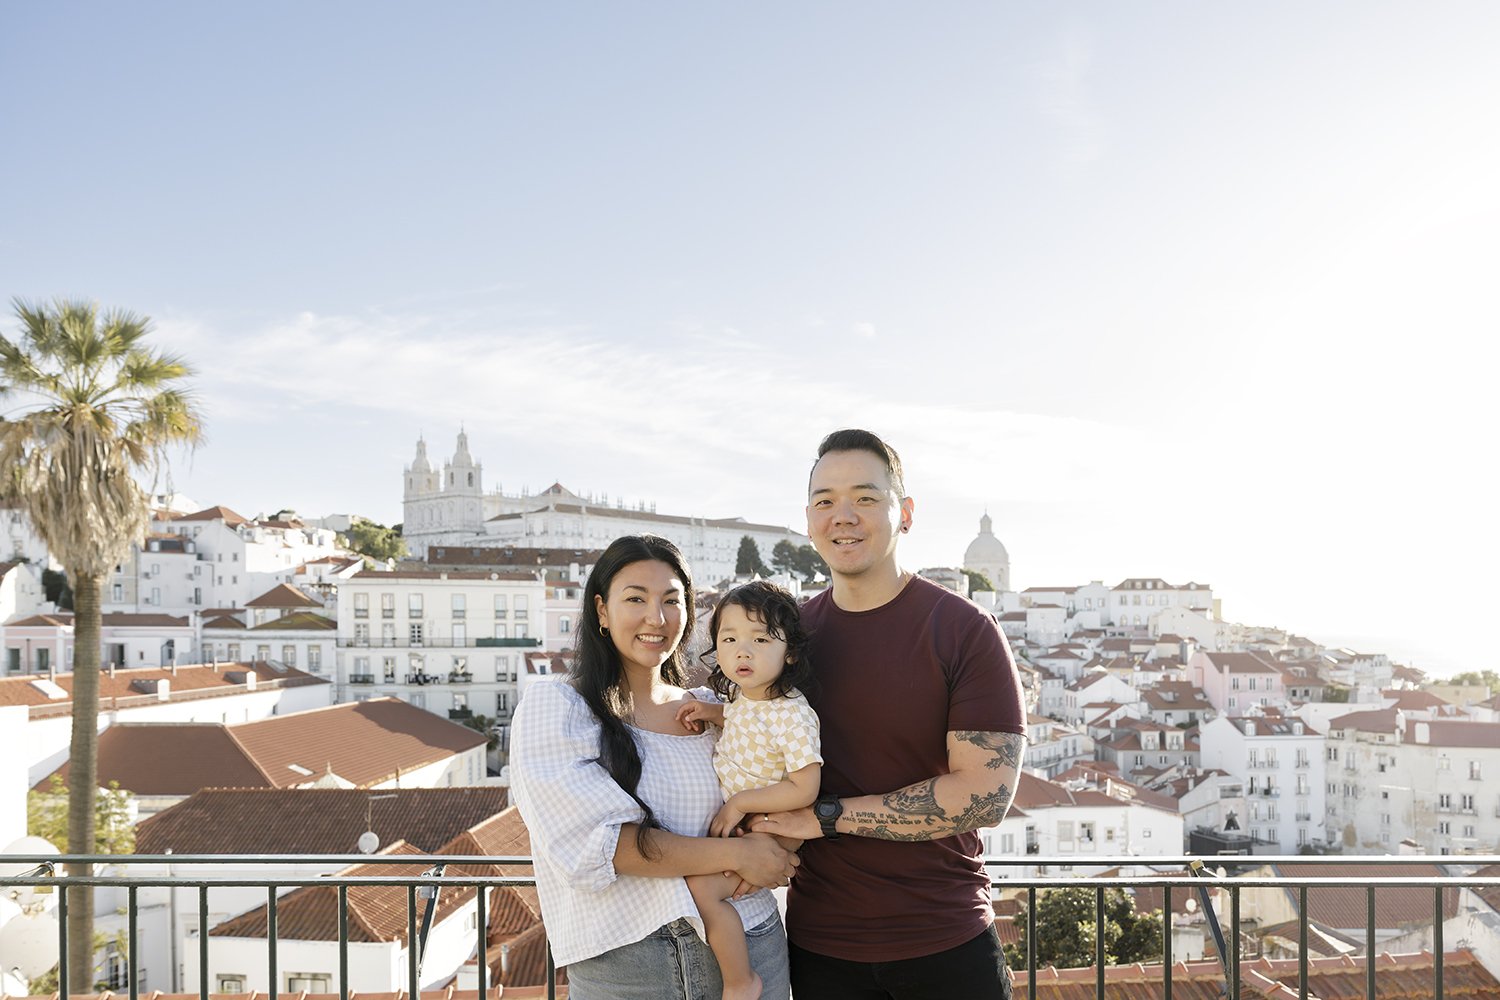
948	804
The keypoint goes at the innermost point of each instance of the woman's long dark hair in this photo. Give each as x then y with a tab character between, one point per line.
596	670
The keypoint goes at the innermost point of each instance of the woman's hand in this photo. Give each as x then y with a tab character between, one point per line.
764	862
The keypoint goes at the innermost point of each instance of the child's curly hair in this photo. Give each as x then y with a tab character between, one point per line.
777	610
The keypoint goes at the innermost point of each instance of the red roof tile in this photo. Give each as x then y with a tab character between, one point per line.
283	595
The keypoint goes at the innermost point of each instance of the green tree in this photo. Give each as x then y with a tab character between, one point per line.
978	581
55	589
810	564
486	725
784	557
1335	693
1065	930
374	540
114	831
1486	677
91	406
747	561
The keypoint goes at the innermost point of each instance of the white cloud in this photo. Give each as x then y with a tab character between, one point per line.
1065	99
865	329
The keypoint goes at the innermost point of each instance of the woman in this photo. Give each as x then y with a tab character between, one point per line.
617	796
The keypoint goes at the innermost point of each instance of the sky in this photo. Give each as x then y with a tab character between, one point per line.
1201	292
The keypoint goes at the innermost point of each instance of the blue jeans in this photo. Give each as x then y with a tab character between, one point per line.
674	963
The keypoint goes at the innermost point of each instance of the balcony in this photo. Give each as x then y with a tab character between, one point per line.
529	642
458	677
361	678
203	881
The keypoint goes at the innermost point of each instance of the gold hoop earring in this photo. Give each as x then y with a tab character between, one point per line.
603	632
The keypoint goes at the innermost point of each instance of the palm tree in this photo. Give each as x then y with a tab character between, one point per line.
94	407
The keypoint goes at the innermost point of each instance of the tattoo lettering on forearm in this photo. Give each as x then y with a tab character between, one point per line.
1006	747
916	802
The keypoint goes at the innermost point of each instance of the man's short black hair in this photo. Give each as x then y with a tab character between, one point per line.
854	439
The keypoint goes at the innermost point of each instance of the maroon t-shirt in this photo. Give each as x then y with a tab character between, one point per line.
889	685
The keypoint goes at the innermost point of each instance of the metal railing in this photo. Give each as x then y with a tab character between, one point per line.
427	887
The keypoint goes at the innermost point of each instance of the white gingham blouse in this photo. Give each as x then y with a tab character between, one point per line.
573	810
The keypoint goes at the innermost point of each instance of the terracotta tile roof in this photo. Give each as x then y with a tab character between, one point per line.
375	575
223	621
1452	733
1342	908
110	619
1381	720
314	820
365	743
114	686
283	595
451	555
216	513
375	912
171	759
1240	663
1399	977
301	621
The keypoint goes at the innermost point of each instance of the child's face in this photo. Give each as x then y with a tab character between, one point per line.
748	653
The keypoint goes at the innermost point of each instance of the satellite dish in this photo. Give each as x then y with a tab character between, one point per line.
368	842
25	895
29	945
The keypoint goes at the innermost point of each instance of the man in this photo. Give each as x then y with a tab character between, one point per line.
923	730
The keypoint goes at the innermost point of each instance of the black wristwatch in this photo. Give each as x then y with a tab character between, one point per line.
828	809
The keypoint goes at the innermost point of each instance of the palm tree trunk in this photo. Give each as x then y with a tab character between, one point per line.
83	776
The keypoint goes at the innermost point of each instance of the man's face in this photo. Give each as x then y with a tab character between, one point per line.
853	516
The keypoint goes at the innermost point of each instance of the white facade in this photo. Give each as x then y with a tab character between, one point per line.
15	779
1281	762
1082	834
1133	602
18	540
986	554
49	731
1429	782
451	509
449	642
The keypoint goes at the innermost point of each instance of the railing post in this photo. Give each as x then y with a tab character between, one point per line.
343	942
411	942
130	942
1166	941
203	942
1370	943
62	942
1099	942
271	937
1234	944
1437	943
1031	943
484	933
1302	941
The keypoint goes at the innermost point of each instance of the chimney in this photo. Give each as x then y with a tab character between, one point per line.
1423	732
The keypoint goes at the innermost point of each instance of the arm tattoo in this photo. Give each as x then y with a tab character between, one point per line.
917	801
1006	747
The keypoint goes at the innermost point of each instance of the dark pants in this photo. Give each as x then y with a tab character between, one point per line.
975	970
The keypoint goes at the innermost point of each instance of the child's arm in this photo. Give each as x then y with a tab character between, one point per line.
692	714
796	790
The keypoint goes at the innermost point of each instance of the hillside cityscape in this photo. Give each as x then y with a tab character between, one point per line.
289	685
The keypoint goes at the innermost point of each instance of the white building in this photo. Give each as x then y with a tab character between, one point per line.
986	554
450	642
43	643
1134	601
1280	761
1391	779
1107	819
223	693
451	509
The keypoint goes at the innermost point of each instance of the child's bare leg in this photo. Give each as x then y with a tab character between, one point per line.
726	935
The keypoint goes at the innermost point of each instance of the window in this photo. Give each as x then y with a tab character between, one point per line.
565	624
234	652
499	630
521	607
262	652
1474	770
388	666
499	605
231	983
1086	832
289	655
117	592
1466	803
315	659
460	635
1445	802
362	605
1469	831
460	607
414	606
1385	819
1234	683
1445	828
1444	763
361	634
312	982
387	605
520	631
414	633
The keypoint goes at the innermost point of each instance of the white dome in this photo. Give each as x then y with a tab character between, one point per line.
985	549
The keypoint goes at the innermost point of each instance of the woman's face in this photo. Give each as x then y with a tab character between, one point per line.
644	613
